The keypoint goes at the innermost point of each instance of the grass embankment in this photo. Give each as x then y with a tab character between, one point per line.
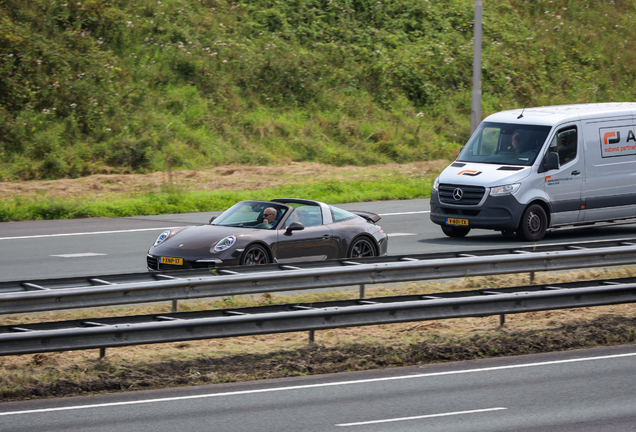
184	192
338	350
143	86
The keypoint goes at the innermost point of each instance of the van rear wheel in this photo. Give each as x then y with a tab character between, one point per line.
453	231
534	223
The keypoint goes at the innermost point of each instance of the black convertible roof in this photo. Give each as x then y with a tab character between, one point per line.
296	201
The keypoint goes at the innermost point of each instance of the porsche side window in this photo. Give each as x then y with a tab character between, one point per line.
314	216
307	215
340	214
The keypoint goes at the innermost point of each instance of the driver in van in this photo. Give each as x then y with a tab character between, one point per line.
519	142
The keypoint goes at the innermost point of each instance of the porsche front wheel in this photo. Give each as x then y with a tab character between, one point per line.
360	248
255	255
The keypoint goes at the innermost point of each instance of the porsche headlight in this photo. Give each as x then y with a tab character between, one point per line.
162	237
504	190
225	244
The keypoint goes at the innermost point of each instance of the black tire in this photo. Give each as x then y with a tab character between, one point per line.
255	255
453	231
533	224
362	247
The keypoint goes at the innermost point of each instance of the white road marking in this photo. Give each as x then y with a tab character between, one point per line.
404	213
86	233
126	231
310	386
144	229
400	234
420	417
79	255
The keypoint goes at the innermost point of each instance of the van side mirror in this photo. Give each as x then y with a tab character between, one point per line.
550	162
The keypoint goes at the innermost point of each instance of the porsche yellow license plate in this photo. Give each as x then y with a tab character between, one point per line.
170	260
452	221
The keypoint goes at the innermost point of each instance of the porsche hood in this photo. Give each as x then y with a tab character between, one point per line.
198	238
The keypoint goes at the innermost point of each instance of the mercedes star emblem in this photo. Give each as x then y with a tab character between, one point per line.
458	194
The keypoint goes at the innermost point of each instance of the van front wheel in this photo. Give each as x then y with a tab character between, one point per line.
534	223
455	231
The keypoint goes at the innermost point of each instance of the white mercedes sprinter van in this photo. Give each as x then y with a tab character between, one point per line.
528	170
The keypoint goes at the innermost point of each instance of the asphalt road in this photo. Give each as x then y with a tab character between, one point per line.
578	391
102	246
572	391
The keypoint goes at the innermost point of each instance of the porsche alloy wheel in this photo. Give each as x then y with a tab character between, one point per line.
362	247
255	255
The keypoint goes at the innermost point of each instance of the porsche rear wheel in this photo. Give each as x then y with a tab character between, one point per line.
255	255
362	247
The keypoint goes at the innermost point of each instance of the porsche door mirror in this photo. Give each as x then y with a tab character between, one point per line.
294	226
212	219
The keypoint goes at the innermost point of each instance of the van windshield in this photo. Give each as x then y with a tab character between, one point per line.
505	144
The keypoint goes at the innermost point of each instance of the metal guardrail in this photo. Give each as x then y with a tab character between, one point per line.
88	281
136	330
104	291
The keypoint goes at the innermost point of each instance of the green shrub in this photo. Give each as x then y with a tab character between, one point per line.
125	86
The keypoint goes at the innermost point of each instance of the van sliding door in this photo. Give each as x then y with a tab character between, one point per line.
609	192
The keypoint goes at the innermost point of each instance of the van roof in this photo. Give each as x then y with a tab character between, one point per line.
557	114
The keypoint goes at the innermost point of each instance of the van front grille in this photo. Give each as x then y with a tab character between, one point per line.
461	194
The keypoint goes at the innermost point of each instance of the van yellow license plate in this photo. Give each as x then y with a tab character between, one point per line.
170	260
452	221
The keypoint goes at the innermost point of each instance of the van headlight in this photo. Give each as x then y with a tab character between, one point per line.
504	190
436	183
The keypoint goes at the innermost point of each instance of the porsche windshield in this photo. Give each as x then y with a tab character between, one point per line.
252	214
505	144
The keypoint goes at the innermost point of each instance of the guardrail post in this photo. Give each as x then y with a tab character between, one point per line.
311	336
361	290
502	320
102	353
174	305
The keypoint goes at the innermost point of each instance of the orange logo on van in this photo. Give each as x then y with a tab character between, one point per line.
547	178
472	173
611	138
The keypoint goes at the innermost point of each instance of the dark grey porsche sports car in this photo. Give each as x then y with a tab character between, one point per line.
282	230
